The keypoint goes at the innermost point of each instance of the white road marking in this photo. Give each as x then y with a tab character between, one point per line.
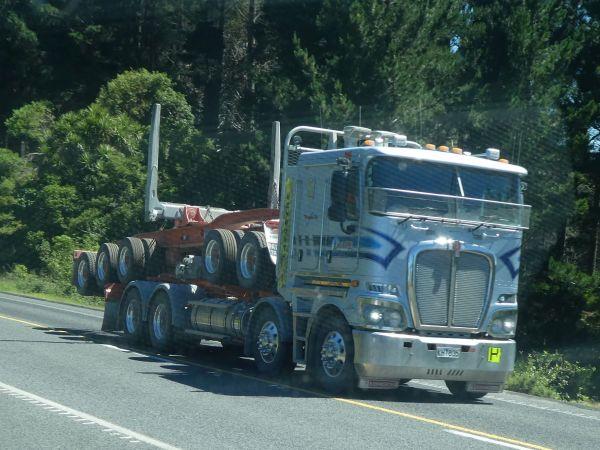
484	439
42	305
81	416
114	347
516	402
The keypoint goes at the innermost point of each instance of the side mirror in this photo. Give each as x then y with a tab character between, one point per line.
339	188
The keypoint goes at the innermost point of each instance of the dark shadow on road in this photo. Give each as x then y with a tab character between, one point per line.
210	368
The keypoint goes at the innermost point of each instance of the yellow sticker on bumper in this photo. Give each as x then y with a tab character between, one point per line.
494	354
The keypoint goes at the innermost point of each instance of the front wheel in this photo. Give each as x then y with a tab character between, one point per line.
459	390
271	355
333	357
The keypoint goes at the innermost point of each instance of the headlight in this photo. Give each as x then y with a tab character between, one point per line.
382	314
503	324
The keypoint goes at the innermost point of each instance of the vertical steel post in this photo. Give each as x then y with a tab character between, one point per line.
273	200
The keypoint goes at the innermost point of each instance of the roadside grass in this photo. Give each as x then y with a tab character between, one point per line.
38	286
558	376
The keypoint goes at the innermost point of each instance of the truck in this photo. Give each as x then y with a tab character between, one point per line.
382	260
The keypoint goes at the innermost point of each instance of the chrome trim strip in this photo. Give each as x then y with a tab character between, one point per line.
446	244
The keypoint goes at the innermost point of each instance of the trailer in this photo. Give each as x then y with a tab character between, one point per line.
381	261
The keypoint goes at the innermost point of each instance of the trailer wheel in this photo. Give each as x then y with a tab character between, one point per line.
160	327
153	257
219	254
130	263
254	268
459	390
332	365
271	355
131	316
84	271
106	264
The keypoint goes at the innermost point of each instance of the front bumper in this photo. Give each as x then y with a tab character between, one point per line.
383	358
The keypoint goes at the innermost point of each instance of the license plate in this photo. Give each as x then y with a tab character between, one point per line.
448	352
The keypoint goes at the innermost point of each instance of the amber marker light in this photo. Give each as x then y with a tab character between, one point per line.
443	148
429	147
457	150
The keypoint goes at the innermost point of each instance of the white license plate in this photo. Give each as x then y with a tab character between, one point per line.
448	352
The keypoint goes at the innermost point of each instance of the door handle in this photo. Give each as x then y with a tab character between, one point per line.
329	256
300	254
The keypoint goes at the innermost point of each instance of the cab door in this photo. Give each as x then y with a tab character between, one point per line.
308	221
340	244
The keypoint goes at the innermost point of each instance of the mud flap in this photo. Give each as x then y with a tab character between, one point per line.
111	316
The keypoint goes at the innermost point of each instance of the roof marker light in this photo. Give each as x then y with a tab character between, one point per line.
368	143
429	147
502	160
443	148
457	150
492	153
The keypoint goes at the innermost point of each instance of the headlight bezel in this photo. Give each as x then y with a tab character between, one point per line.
386	308
498	323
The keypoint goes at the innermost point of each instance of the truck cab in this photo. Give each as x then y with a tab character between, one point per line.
416	249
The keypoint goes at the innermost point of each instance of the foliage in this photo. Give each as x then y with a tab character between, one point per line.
551	375
520	76
31	124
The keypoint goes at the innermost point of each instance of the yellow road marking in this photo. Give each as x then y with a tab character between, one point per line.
440	423
339	399
33	324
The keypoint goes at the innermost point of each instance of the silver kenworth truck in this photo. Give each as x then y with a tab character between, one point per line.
380	262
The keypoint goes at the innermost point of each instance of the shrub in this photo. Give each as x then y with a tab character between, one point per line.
552	375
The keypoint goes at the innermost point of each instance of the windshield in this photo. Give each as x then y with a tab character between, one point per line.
425	189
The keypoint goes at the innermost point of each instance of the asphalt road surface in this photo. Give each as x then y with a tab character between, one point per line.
65	384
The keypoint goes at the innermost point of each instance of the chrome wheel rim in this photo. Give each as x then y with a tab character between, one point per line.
132	316
212	257
268	342
248	261
82	273
101	269
159	322
333	354
124	261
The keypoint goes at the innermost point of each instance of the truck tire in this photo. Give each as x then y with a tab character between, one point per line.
84	270
219	252
271	355
332	365
131	317
459	390
106	264
254	268
160	328
130	262
153	258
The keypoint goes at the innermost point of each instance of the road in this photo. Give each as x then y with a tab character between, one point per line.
65	384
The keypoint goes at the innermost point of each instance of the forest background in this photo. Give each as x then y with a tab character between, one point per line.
77	80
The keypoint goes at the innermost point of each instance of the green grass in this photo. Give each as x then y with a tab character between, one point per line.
43	288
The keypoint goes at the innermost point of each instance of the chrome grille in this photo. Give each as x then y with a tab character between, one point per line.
451	291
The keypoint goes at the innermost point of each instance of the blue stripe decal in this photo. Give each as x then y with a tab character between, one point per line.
385	262
514	271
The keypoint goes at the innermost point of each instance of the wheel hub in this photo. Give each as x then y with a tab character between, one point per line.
82	274
159	322
124	261
268	342
248	261
333	354
131	317
212	257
